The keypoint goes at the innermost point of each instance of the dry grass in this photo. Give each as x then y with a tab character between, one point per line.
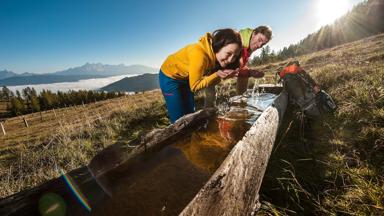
337	166
43	125
83	132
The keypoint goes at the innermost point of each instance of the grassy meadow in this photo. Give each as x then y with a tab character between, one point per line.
334	166
330	167
68	138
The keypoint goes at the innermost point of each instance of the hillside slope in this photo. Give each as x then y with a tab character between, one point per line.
143	82
68	138
334	166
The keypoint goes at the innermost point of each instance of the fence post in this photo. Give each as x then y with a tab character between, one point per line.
2	128
53	109
25	122
87	120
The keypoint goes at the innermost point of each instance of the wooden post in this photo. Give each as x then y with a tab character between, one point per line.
54	112
2	128
87	119
41	116
25	122
234	187
99	116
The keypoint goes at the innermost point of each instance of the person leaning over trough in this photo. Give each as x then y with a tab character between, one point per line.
197	66
252	39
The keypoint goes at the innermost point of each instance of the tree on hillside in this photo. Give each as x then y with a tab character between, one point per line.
35	104
6	94
18	95
16	106
47	99
365	19
28	101
28	94
265	52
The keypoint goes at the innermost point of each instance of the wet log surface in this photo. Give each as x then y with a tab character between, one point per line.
27	202
233	189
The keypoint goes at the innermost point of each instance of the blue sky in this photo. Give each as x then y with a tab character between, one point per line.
43	36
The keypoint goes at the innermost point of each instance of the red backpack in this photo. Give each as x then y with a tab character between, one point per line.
300	87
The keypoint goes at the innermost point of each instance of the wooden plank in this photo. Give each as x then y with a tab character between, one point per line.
25	122
2	128
234	187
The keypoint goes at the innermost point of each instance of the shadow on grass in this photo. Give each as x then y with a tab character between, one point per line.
295	175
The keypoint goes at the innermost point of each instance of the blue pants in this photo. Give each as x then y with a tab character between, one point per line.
178	96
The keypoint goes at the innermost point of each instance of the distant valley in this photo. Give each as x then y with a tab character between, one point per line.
87	71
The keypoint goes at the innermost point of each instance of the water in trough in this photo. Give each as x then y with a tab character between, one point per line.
161	182
164	182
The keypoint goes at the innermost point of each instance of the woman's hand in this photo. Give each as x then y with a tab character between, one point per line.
227	73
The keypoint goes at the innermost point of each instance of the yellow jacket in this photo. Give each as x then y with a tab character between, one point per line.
193	62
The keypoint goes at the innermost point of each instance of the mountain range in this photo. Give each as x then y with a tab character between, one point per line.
87	71
6	74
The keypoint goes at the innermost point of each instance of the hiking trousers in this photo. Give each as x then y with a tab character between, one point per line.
178	96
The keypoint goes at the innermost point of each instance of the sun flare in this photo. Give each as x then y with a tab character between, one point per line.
329	10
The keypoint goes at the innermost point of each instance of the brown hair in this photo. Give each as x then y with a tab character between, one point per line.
223	37
265	30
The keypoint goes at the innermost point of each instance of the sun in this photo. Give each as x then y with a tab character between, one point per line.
329	10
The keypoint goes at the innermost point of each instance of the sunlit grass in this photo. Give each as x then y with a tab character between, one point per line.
345	172
71	146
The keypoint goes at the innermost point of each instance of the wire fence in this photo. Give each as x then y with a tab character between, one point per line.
37	124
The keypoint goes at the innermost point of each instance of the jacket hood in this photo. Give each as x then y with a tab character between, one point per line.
205	43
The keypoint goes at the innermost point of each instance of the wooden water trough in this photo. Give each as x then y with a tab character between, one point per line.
232	190
234	187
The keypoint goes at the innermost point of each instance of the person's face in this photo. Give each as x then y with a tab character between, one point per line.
257	41
228	54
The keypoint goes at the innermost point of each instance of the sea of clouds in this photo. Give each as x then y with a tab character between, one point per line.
87	84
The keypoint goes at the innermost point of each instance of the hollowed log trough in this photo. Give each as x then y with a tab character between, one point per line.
232	190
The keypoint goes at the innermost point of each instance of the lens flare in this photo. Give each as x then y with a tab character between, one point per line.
76	191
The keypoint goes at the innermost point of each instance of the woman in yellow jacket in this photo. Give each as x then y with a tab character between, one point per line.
198	66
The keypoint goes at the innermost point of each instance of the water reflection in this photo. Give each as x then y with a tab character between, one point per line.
163	183
208	147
